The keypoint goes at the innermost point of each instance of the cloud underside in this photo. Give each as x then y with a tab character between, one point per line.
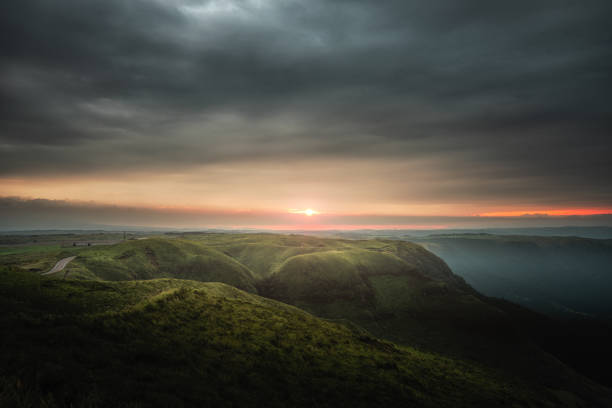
442	102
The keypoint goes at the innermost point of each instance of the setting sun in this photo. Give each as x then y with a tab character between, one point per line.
308	212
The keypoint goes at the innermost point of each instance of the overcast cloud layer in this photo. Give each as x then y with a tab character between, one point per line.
509	100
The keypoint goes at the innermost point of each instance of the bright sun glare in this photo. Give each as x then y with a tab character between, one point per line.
308	212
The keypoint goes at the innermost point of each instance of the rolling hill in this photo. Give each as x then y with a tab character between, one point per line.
168	342
155	257
400	292
393	290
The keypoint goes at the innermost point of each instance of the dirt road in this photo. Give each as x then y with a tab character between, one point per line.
61	264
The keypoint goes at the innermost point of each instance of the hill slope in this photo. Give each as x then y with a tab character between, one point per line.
157	257
185	343
396	290
403	293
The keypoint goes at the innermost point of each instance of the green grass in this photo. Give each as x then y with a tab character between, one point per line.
36	260
169	342
236	259
263	254
327	276
156	258
395	290
12	250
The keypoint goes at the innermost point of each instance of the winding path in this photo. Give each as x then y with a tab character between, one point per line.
61	264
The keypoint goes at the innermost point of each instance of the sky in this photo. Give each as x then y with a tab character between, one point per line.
214	113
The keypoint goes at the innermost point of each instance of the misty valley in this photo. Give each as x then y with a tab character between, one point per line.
259	319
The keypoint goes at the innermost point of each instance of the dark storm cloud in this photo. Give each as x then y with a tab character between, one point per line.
492	90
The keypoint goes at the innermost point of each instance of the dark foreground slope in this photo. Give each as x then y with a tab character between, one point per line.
185	343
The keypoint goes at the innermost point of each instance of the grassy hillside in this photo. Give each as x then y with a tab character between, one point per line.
396	290
383	293
568	278
179	343
265	254
336	275
149	258
400	292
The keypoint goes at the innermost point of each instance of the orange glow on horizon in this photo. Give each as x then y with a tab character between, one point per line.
341	227
557	213
308	212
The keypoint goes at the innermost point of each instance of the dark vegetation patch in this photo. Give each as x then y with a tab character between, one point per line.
185	343
150	254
